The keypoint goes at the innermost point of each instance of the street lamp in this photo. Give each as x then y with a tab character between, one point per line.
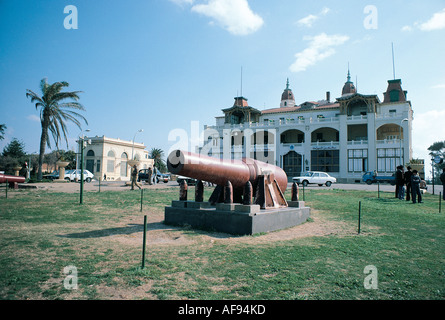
400	139
132	148
82	146
78	151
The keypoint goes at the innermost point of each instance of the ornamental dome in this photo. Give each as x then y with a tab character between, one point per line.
349	87
287	98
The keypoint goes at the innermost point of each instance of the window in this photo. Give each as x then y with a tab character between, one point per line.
394	95
387	159
357	160
292	163
110	162
325	160
98	166
110	166
124	157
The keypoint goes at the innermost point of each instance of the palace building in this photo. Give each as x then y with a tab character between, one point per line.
108	157
346	137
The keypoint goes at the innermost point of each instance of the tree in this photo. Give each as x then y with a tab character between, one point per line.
157	154
2	131
13	155
437	149
15	149
54	113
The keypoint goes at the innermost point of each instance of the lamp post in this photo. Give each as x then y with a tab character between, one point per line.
77	153
82	146
132	148
400	139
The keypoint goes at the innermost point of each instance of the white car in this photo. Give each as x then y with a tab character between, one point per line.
315	177
72	174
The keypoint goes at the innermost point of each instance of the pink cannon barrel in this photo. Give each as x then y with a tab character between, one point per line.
219	171
11	179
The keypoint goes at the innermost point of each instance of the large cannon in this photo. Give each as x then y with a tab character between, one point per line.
268	182
11	180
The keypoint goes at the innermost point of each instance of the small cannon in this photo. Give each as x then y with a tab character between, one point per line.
11	180
237	180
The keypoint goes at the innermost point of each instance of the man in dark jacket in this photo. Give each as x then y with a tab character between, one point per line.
400	182
415	186
408	175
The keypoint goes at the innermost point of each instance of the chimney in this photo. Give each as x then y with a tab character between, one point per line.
328	96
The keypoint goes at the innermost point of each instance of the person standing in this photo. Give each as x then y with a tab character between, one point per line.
149	173
400	182
155	175
134	178
415	187
408	175
442	179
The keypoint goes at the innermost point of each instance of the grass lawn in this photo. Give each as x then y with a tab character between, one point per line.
43	232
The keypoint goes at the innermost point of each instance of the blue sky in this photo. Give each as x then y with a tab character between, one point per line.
159	65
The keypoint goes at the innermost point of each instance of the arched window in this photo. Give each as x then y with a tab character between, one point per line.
124	158
90	153
110	162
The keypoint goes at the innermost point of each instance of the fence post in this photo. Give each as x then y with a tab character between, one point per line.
7	186
144	242
440	202
142	196
359	215
378	189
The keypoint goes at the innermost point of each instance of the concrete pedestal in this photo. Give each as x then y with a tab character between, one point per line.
234	218
61	165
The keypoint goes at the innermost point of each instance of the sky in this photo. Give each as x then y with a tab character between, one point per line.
169	65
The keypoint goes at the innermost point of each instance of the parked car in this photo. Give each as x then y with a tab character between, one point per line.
72	174
164	177
190	181
143	176
315	177
52	176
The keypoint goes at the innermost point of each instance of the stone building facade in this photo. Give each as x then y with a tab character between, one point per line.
346	137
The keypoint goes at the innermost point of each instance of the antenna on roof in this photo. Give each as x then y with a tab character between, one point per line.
393	65
241	81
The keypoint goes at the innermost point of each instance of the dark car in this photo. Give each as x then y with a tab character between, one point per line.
143	176
190	181
52	176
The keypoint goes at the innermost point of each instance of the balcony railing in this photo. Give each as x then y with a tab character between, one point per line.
357	118
357	142
395	142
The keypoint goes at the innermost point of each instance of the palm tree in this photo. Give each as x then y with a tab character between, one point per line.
156	154
2	131
54	113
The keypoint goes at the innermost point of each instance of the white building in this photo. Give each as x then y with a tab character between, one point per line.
346	137
108	157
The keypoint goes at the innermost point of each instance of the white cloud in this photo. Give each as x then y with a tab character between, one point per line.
33	117
233	15
309	20
439	86
407	28
436	22
320	47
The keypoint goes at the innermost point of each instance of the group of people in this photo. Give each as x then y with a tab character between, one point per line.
152	177
411	179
